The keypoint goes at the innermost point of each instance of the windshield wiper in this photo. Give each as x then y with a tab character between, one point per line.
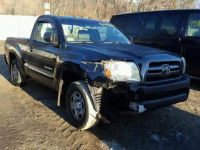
82	42
113	42
88	42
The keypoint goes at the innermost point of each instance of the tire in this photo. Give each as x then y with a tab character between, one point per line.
16	75
80	106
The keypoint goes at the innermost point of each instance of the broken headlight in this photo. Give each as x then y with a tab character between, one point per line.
121	71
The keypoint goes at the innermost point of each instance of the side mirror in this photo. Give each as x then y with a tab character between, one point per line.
130	39
51	38
54	39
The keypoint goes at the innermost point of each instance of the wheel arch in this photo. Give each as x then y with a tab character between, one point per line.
66	78
14	52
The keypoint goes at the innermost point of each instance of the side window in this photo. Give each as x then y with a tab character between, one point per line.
169	24
129	25
194	25
42	29
149	25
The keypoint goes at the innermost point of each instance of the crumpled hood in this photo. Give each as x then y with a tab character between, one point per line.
123	51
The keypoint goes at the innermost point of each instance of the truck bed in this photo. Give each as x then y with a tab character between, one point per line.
23	41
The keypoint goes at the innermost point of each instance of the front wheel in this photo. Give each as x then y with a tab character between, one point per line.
80	106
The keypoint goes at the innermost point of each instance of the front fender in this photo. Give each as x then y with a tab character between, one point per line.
92	72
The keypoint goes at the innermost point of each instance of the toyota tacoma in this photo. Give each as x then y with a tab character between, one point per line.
93	66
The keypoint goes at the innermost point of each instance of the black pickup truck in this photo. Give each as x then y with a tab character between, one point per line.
93	67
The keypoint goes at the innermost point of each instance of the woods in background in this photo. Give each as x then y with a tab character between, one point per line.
99	9
150	5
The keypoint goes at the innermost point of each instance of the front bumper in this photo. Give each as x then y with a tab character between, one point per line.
160	95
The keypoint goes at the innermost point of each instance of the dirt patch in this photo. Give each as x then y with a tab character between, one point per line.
30	119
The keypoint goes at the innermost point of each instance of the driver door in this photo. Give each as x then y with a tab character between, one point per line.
42	55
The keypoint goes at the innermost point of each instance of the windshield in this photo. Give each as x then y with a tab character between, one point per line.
86	31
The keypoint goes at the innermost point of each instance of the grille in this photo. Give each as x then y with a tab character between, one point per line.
156	71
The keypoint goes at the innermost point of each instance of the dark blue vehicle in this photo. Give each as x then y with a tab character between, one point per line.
173	30
93	67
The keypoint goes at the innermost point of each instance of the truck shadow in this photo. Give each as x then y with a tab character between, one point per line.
166	128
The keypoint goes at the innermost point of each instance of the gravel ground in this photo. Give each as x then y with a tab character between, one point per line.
30	119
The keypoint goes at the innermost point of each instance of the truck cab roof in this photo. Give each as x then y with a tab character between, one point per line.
70	18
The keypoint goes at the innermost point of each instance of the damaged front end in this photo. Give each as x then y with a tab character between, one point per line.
126	89
115	78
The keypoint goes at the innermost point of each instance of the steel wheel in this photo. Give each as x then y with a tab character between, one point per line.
77	105
15	73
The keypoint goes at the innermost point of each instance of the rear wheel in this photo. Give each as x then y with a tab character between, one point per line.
80	106
16	75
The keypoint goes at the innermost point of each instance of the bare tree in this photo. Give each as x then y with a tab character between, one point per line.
99	9
185	4
2	2
149	5
60	3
